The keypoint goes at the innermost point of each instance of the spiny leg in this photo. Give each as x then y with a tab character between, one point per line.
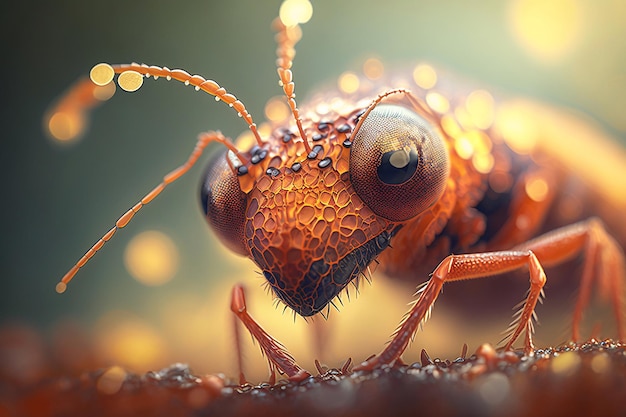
603	261
460	267
603	258
276	354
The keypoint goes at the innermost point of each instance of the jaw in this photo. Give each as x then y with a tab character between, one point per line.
324	280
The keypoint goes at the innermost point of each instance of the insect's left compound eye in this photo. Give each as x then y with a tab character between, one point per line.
398	165
224	203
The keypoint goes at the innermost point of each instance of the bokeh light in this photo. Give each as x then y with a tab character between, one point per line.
276	109
104	92
438	102
124	339
536	188
425	76
151	257
293	12
548	30
480	106
373	68
65	126
348	82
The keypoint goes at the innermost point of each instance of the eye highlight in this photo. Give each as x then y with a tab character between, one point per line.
398	165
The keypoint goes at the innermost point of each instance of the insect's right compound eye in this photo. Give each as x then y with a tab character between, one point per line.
224	203
398	164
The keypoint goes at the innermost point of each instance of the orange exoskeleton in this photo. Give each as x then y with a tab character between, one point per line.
407	161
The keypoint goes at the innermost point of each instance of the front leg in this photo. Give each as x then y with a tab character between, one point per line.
604	259
278	358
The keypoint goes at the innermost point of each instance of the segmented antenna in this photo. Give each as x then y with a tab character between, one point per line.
66	121
131	79
81	98
416	102
203	140
286	38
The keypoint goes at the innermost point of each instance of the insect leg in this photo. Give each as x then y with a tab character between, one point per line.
277	356
461	267
603	260
238	348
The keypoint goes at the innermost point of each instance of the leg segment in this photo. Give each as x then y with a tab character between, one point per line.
603	259
459	267
279	359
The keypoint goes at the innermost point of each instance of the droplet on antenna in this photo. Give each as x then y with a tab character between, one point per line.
130	81
101	74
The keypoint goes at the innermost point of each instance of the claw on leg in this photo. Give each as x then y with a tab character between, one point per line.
459	267
604	261
279	359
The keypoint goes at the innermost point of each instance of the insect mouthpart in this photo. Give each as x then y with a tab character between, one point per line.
324	280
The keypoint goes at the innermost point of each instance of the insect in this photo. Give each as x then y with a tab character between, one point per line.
411	172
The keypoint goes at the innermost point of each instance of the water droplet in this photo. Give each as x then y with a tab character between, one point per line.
102	74
130	81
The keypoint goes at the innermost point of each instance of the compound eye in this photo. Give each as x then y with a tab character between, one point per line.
398	165
224	203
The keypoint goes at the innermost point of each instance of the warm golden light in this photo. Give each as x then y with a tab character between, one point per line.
568	138
601	363
537	189
65	126
124	339
105	92
111	380
437	102
425	76
130	81
463	147
151	258
566	363
480	106
245	140
373	68
515	129
548	30
483	163
276	109
348	82
293	12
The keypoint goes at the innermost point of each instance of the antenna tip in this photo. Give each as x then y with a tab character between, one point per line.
61	287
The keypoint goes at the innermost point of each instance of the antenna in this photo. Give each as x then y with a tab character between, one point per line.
286	38
66	120
83	96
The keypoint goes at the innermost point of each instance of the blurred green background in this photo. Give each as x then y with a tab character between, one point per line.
57	200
